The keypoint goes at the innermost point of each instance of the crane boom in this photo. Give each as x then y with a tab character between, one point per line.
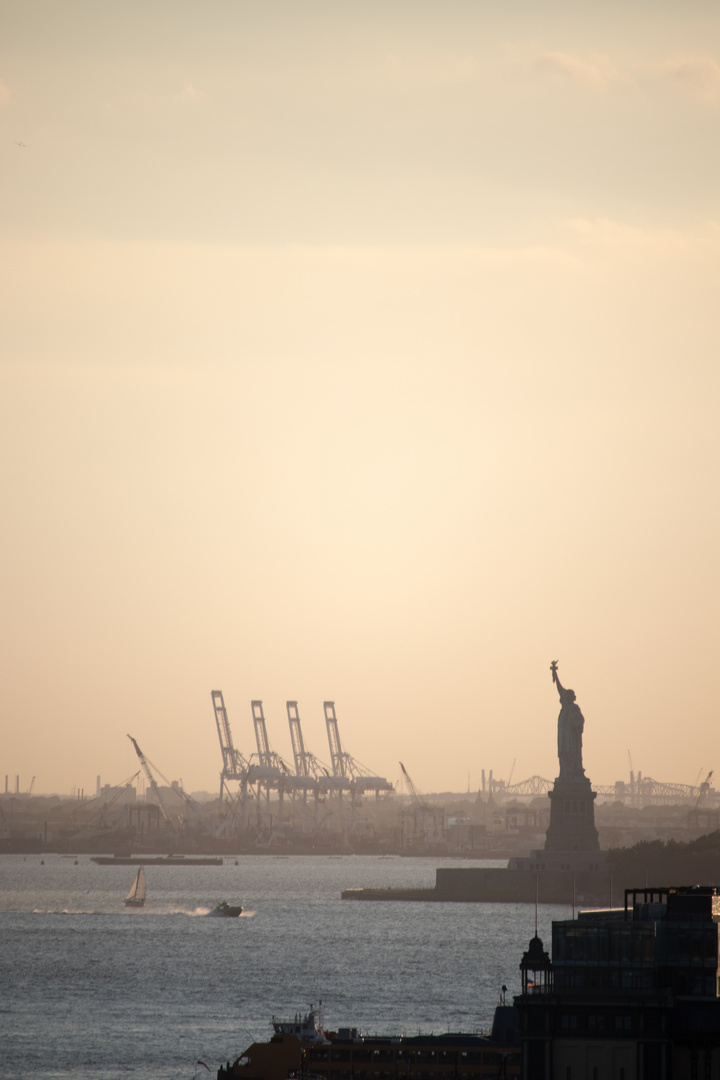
411	788
261	737
151	780
336	755
224	733
235	767
704	788
296	736
344	766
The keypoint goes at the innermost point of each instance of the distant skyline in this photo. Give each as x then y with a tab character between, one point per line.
363	352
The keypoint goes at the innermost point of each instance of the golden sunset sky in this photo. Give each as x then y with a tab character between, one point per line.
366	351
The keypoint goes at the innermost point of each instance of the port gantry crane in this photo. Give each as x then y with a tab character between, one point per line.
307	766
235	767
358	779
271	772
310	773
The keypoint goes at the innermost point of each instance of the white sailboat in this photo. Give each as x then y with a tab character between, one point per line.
136	896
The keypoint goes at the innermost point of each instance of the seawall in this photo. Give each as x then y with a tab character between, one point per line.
480	885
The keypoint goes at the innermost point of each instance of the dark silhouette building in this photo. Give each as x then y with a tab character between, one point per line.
629	994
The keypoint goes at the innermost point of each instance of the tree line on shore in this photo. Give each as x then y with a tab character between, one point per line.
668	863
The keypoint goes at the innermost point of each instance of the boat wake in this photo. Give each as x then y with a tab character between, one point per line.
168	909
69	911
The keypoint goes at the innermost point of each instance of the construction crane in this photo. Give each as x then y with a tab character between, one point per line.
152	781
413	790
704	788
98	817
425	823
235	767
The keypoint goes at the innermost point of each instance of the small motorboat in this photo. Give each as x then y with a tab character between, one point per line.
226	911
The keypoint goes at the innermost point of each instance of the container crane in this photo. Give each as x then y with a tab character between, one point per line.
270	762
271	772
306	764
345	767
300	755
235	767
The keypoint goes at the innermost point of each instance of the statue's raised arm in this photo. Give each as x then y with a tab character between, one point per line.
570	727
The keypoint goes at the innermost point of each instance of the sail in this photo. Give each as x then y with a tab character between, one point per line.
137	889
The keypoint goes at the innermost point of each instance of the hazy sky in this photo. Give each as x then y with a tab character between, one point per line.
366	351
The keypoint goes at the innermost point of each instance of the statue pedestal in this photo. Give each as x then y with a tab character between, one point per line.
572	817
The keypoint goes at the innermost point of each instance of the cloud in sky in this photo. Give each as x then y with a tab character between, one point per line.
596	72
605	233
699	75
366	354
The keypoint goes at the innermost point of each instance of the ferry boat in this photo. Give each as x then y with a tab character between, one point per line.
301	1048
307	1027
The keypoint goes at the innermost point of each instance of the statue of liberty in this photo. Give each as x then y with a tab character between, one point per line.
570	728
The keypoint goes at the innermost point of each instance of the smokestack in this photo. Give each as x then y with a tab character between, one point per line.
483	780
6	783
97	790
17	785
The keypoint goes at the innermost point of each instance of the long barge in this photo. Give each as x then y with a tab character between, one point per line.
156	860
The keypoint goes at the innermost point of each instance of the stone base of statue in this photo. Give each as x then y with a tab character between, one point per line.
572	817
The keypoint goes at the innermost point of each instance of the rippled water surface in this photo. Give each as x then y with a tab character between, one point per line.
91	989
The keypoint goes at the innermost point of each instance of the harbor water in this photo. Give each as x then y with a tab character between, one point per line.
92	989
